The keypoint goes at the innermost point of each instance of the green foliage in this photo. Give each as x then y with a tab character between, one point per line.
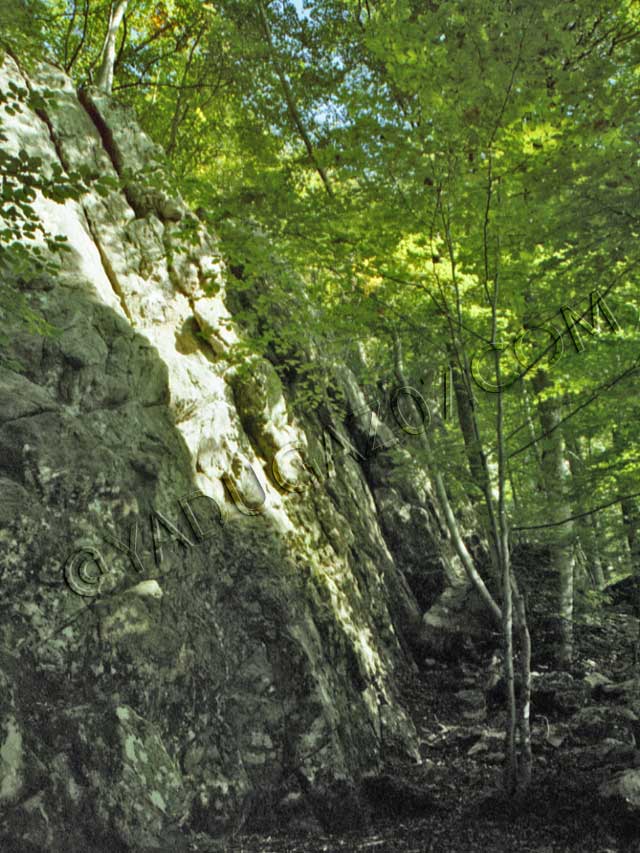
27	248
21	27
20	181
25	245
396	168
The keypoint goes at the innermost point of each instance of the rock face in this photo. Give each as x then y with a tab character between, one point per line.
180	626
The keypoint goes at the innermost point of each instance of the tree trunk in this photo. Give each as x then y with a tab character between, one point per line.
524	720
443	501
631	521
503	553
630	512
511	762
104	78
467	421
561	538
290	100
586	525
517	771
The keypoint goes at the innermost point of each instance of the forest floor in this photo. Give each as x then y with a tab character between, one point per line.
461	766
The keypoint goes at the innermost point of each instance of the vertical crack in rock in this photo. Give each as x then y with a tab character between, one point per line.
106	265
204	337
141	199
108	142
111	149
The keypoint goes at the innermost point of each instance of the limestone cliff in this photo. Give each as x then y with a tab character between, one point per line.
181	628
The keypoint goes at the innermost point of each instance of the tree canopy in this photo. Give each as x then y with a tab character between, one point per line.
435	191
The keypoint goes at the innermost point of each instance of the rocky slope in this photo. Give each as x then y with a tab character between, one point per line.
190	626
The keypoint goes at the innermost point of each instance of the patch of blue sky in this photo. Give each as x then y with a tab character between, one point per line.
302	8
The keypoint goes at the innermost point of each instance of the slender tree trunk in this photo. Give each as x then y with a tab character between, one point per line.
557	482
85	21
182	99
535	447
598	565
517	772
630	512
70	27
104	78
292	106
511	775
524	721
593	553
586	526
631	519
511	761
476	456
467	421
445	506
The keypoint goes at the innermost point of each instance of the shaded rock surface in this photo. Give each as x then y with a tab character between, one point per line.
178	630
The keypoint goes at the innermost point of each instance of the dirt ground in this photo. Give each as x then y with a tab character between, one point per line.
563	810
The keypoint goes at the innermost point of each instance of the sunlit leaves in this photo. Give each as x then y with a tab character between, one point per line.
472	149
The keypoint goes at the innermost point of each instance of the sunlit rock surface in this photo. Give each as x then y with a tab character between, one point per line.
226	652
